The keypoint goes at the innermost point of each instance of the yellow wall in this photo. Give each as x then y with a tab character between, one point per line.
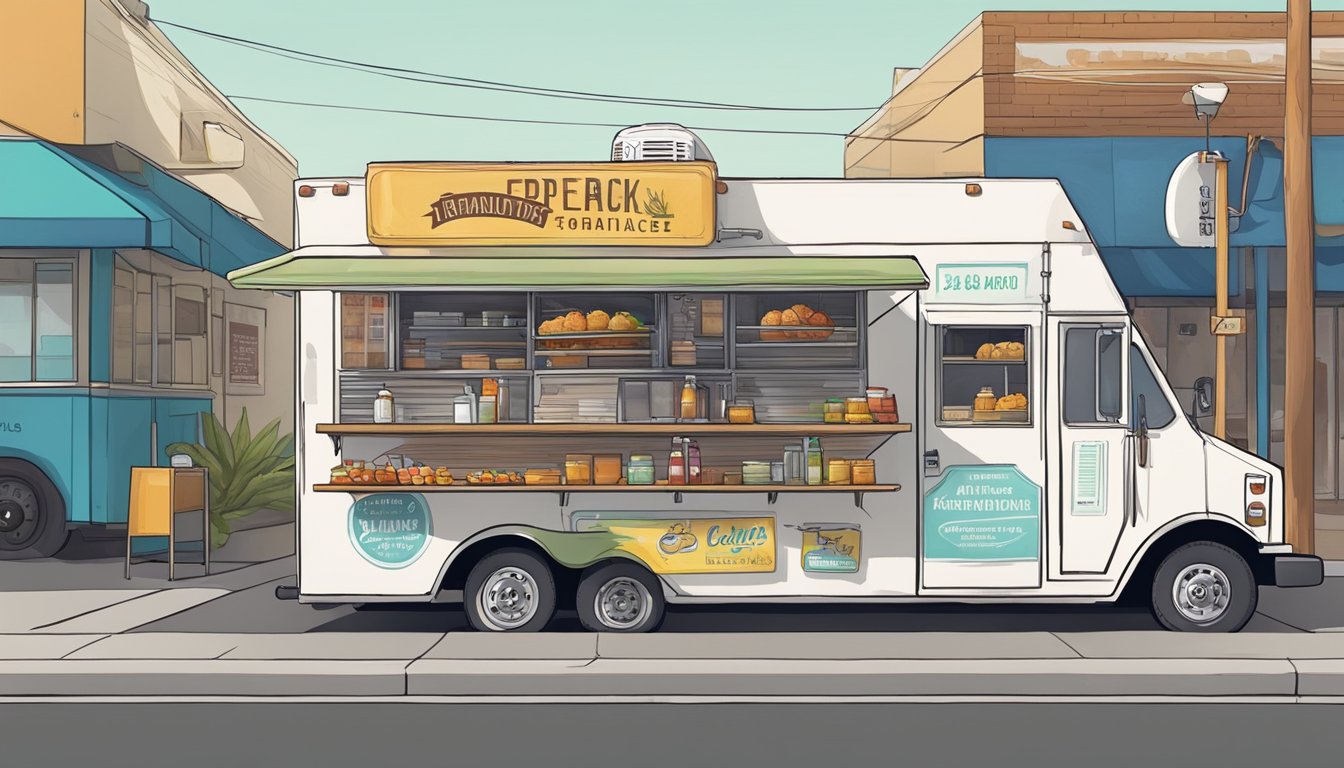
42	68
932	125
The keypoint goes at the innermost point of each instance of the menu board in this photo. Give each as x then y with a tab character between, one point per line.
244	345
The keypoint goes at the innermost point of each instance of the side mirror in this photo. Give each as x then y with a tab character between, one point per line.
1203	397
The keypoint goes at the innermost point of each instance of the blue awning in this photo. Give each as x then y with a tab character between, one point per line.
51	198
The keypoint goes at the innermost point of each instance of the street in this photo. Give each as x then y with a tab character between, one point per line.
925	734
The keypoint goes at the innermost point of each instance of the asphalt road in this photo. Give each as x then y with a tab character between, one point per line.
367	734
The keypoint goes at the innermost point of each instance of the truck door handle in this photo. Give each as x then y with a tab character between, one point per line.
932	462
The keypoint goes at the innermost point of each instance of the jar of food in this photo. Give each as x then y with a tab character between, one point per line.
838	472
833	411
795	465
732	478
607	469
857	406
640	470
985	401
863	472
382	407
875	395
742	413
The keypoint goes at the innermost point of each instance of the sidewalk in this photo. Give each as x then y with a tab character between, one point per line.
662	666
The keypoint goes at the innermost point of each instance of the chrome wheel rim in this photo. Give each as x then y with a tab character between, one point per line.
1201	593
623	603
18	513
508	598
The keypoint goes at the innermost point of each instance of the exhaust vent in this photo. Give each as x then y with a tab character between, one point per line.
658	142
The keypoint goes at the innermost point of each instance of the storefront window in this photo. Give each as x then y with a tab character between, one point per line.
159	330
190	348
37	307
364	336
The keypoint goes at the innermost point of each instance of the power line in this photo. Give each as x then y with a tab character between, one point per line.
422	76
529	121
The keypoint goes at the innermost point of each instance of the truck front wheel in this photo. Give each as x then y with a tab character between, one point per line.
511	590
1204	587
32	513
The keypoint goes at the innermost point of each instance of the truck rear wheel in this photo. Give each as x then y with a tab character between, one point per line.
619	597
1204	587
32	513
511	590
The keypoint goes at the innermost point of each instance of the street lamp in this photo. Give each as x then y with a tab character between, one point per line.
1207	98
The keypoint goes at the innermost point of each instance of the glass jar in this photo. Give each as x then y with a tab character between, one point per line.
985	401
875	396
857	406
795	465
640	470
676	469
833	411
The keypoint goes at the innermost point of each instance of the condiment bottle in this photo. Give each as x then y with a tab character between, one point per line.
692	462
690	399
814	470
676	469
382	407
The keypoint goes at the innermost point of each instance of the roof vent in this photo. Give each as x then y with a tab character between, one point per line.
658	142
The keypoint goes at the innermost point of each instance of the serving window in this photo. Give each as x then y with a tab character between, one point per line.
984	376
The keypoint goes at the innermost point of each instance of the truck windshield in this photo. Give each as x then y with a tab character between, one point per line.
1143	383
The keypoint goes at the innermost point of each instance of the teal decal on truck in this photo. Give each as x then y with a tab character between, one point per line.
980	283
391	530
983	514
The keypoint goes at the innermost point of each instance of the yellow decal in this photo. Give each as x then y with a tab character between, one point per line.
427	204
736	545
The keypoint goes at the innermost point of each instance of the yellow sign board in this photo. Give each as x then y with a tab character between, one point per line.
736	545
429	204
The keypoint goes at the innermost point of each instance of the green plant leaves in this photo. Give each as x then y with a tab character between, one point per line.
247	472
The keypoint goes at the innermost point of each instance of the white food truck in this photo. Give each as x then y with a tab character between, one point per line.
619	385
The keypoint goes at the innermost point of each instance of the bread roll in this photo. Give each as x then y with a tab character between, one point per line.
984	351
803	311
598	320
575	322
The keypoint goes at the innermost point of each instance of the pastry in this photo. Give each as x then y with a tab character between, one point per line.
598	320
998	353
984	351
622	321
789	317
819	319
575	322
556	325
773	317
804	311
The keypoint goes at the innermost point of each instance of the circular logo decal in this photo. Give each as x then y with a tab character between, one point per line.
390	530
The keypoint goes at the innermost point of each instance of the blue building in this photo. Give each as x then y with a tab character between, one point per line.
117	328
1094	100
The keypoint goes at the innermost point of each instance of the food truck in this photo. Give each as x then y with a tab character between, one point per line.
619	385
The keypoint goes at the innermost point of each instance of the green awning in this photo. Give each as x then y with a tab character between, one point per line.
603	269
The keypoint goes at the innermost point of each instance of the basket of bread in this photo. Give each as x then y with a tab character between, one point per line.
797	323
1004	350
1012	407
602	326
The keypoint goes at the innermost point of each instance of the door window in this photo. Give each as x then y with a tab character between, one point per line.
984	376
1093	376
1143	384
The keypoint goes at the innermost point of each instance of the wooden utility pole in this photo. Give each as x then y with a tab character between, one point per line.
1299	402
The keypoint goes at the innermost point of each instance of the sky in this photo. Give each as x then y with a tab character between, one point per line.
782	53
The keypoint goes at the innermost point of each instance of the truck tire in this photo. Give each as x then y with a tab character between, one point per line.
32	513
1204	587
619	597
511	590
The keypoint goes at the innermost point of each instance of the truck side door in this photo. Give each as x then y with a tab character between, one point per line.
1093	480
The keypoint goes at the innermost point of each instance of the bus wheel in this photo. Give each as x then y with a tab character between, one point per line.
32	514
1204	587
619	597
511	590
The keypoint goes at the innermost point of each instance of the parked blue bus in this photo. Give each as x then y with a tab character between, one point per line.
117	331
